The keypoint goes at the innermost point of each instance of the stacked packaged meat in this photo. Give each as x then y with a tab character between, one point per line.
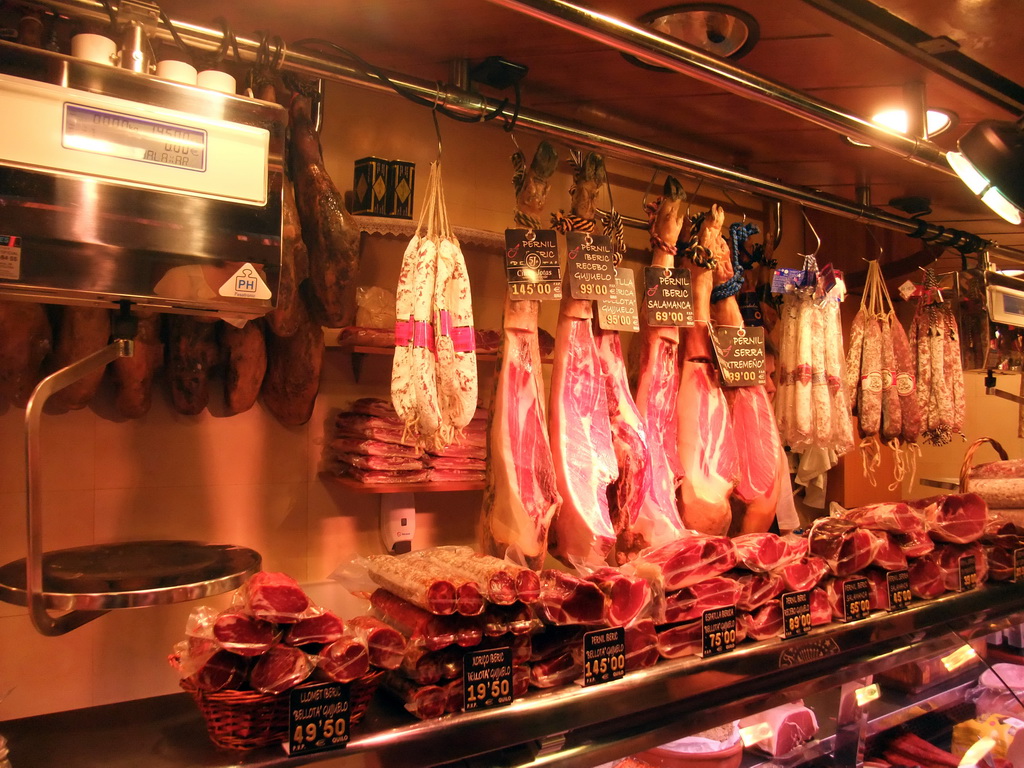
372	445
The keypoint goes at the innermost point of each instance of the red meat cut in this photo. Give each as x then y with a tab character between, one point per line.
956	518
641	645
804	574
276	597
386	645
345	660
927	579
690	602
323	628
764	552
888	555
567	599
844	546
756	589
280	668
763	623
240	633
628	596
686	561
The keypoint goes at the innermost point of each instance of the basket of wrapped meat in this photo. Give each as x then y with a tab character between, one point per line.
1000	483
250	719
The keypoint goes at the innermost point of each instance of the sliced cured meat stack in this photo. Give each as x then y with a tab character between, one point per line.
999	548
580	430
628	596
762	473
804	574
416	580
756	589
503	583
24	344
888	555
764	623
82	331
629	436
956	518
845	547
790	726
764	552
690	603
566	599
522	495
686	561
245	364
658	520
927	579
327	229
948	556
133	376
422	628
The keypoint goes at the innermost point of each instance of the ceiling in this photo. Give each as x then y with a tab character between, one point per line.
802	45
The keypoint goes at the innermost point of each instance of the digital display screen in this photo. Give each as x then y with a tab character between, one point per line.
119	135
1013	304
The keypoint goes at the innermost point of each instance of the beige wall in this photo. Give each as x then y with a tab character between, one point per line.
248	480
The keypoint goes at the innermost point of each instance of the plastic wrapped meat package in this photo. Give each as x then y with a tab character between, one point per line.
720	746
783	729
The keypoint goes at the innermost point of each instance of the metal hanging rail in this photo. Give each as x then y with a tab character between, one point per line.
313	64
679	57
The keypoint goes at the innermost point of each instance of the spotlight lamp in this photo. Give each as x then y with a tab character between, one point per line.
990	161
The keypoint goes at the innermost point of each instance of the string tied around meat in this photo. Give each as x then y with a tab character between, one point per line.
739	233
692	249
563	223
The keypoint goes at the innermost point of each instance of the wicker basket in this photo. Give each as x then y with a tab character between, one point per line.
250	720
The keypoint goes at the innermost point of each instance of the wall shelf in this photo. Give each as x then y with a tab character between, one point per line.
357	487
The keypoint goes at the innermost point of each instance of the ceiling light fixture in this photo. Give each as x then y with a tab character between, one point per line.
990	161
938	121
718	29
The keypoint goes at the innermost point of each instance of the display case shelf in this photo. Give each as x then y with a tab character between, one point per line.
569	727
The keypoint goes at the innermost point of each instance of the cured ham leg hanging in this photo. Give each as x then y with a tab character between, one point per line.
521	498
707	444
579	426
761	472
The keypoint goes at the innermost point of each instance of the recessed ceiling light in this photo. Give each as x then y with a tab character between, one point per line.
939	120
721	30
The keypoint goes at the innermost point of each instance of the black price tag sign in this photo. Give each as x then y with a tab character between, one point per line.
668	298
591	265
968	573
318	718
1018	564
604	655
740	355
718	627
796	614
487	679
856	603
898	584
531	264
618	312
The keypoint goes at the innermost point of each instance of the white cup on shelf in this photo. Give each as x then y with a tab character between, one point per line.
178	71
216	80
94	48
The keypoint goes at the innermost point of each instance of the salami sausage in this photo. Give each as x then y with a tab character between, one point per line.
869	404
892	416
906	384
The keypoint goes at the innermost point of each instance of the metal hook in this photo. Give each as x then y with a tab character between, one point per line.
693	196
735	204
437	127
871	232
512	135
813	232
650	185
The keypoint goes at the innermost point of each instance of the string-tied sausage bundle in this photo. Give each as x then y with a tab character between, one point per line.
434	377
881	382
935	346
810	403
